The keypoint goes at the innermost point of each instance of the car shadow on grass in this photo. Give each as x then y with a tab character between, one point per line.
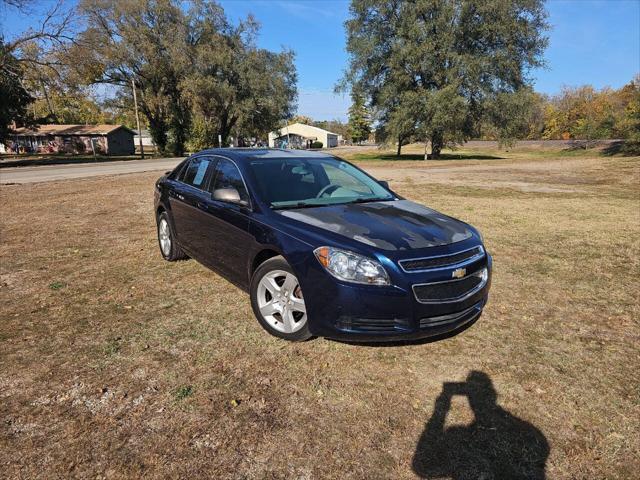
496	445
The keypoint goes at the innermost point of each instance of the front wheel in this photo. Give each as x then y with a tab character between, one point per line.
277	301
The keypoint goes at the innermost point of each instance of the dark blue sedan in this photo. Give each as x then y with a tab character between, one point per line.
321	246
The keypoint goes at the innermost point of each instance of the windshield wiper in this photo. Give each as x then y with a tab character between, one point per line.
311	205
297	205
366	200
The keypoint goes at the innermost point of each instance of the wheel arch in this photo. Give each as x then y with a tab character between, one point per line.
262	256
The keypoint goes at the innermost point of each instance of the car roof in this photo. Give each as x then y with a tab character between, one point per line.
248	154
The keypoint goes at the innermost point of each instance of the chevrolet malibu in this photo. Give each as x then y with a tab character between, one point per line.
322	248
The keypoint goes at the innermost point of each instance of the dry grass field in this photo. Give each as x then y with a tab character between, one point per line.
116	364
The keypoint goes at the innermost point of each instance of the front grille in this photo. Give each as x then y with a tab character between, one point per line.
375	325
451	290
415	264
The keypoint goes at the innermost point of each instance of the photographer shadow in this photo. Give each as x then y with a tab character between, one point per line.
497	445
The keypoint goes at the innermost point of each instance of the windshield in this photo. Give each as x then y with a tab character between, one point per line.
301	182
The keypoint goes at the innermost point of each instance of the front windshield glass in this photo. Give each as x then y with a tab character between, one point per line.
301	182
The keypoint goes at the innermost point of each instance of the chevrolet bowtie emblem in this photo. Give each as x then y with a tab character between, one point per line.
459	272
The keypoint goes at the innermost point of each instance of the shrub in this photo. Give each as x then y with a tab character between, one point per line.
317	145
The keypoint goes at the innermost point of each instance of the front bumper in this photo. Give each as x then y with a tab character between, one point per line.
366	313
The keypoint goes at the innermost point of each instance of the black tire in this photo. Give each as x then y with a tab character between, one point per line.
269	266
174	252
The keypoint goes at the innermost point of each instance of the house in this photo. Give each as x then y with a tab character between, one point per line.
299	135
78	139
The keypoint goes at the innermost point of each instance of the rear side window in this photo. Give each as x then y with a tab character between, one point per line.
195	174
179	170
228	176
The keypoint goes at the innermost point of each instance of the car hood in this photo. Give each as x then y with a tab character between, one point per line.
392	225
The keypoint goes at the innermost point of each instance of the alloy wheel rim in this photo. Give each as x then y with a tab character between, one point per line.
280	301
164	237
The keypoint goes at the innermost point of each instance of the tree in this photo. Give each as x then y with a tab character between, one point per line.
139	41
509	116
300	119
235	88
31	51
432	66
359	126
334	126
629	124
585	113
192	67
14	95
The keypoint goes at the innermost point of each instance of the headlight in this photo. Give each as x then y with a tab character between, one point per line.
351	267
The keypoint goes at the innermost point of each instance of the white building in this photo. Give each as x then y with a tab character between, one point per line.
147	141
299	135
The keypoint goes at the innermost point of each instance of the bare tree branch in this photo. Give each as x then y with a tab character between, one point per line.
55	30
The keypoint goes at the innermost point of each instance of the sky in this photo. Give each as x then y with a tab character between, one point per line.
590	41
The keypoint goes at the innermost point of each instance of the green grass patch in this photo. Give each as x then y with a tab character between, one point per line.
184	391
57	285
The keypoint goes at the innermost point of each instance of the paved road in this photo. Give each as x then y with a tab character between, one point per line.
64	172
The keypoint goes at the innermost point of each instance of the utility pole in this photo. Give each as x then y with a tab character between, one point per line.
135	102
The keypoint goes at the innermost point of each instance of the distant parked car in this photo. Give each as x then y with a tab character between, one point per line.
322	247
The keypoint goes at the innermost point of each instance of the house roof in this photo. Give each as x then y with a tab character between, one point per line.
70	130
301	127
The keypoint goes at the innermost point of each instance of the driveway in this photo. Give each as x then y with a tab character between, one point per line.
64	172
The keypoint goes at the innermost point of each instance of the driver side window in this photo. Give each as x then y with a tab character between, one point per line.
228	176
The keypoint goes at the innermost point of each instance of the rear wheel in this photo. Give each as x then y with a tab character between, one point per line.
166	240
277	301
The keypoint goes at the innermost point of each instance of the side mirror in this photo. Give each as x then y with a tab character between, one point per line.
229	195
384	183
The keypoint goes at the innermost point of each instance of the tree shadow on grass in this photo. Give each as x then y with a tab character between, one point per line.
622	148
420	156
497	445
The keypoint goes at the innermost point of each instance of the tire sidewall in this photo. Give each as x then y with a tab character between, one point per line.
275	263
165	216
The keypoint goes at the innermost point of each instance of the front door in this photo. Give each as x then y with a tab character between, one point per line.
226	227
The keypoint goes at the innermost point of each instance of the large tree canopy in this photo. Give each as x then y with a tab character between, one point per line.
434	69
191	67
235	88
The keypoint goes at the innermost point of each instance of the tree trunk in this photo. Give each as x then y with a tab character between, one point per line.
158	131
180	120
426	149
399	146
437	142
46	96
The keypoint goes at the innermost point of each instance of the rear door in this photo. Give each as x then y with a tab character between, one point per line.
186	199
